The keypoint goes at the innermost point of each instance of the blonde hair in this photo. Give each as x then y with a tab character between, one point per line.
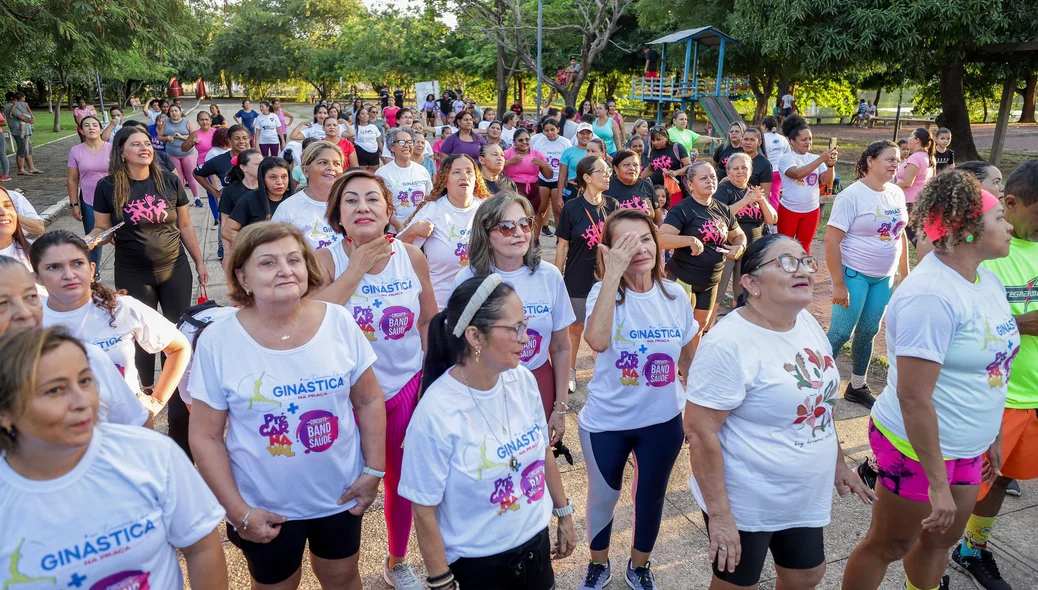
254	236
314	149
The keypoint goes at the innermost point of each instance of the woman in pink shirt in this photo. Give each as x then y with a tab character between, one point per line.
82	110
917	169
202	140
87	163
522	165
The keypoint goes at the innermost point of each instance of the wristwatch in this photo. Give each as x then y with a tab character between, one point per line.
373	473
564	511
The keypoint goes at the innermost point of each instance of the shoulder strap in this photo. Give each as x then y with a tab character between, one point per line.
188	317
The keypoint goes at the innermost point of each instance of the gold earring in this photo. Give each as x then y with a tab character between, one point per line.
478	352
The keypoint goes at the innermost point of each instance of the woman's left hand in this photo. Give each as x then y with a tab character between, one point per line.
203	273
557	427
848	482
734	251
363	491
565	540
992	461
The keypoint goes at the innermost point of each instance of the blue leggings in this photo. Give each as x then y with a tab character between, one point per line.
655	450
87	211
214	207
868	302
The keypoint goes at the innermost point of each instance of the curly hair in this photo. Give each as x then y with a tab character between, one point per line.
102	296
793	125
861	167
953	199
480	191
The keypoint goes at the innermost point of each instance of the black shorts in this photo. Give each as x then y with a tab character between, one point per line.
794	549
366	158
331	537
527	567
702	296
551	184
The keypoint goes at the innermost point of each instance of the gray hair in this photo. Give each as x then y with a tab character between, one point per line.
489	214
739	156
392	133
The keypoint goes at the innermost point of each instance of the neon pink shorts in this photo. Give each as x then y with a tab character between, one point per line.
905	477
776	188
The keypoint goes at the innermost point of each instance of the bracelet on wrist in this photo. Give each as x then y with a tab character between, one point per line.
73	205
441	582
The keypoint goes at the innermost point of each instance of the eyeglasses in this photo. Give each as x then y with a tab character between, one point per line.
791	263
404	142
520	329
607	171
507	227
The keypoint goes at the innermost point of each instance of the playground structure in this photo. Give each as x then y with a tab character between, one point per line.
714	95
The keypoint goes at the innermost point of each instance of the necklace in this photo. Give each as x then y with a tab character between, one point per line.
513	463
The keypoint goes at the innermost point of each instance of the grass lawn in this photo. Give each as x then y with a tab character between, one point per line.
43	131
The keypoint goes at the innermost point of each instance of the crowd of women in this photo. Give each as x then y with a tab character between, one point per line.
390	317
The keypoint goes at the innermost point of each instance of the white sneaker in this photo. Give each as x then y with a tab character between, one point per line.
572	380
401	577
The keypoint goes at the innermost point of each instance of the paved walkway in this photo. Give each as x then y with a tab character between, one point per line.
680	557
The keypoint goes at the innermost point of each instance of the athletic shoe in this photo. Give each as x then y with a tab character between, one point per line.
198	202
868	475
5	178
1013	489
400	576
982	569
572	380
546	231
860	395
641	578
945	583
598	576
219	251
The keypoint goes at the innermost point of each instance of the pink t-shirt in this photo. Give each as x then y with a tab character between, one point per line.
204	142
92	167
525	171
79	113
921	160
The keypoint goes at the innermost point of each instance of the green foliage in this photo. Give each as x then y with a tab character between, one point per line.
837	95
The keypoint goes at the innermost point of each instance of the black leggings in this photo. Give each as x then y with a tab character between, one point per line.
169	289
527	567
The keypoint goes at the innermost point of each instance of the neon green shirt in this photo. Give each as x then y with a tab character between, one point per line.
686	138
1019	273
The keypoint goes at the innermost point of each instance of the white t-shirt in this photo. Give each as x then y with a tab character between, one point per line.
968	328
407	185
268	126
15	251
448	247
309	216
874	222
152	115
552	151
775	146
545	301
386	307
569	130
291	436
23	206
367	138
315	131
787	101
636	379
118	403
111	522
135	323
800	196
213	314
507	136
779	442
457	458
484	124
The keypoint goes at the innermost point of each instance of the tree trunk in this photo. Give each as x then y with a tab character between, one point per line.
68	94
1030	93
784	85
50	97
590	90
984	103
955	115
610	88
761	88
875	101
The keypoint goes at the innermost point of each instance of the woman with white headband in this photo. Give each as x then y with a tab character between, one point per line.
478	464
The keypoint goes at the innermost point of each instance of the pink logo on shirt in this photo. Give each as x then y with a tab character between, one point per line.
659	370
593	234
504	495
628	365
396	321
531	348
150	209
714	231
318	430
128	580
532	482
365	318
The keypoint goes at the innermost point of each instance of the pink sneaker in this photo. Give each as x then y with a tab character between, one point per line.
5	178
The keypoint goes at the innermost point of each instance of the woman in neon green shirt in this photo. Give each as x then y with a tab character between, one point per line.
680	133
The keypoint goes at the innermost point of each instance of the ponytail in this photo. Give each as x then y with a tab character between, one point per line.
924	137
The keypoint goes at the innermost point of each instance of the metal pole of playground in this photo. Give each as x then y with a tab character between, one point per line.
540	38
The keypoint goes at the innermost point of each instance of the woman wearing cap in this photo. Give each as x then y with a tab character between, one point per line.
935	430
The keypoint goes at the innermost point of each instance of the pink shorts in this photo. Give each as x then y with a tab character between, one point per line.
776	188
904	476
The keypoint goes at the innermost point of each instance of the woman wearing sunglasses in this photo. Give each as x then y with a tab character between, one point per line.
759	420
502	243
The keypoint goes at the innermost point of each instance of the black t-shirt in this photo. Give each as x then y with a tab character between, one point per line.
721	156
218	167
762	170
711	224
383	97
254	207
748	217
502	184
150	240
232	194
575	226
945	160
398	97
653	57
166	162
446	105
639	195
219	120
669	158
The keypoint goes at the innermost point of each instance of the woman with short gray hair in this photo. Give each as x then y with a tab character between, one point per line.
408	182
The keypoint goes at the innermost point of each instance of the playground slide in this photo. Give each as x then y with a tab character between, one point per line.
721	113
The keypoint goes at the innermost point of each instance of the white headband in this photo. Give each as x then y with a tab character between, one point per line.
478	299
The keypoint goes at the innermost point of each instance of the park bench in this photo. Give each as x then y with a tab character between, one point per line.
917	121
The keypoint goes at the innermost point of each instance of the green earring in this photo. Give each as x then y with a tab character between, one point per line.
969	239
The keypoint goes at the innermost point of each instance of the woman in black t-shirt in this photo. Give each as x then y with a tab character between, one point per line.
631	191
760	168
667	159
579	231
732	146
702	231
150	259
274	185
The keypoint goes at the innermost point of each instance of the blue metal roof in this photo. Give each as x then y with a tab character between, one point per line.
708	36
